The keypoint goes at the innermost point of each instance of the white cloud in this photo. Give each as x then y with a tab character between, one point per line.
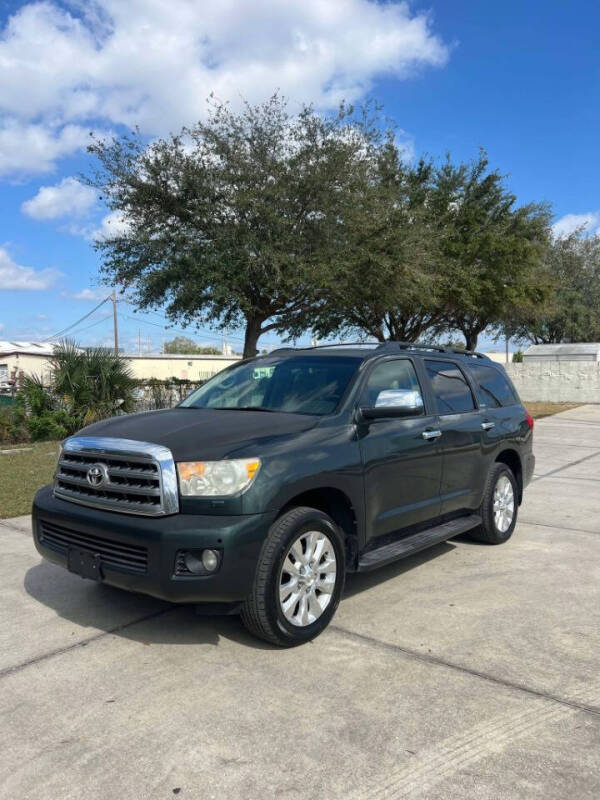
154	62
90	294
67	198
112	224
566	225
34	147
405	144
15	276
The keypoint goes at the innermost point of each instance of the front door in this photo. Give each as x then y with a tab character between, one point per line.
401	457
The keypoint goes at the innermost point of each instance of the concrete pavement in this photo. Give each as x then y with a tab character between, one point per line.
465	672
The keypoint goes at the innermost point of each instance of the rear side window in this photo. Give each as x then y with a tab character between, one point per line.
450	387
493	388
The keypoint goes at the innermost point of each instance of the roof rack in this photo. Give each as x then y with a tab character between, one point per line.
388	346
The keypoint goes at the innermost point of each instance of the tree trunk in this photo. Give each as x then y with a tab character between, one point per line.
252	335
470	339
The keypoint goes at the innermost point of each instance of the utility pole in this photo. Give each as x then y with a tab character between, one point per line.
139	342
116	331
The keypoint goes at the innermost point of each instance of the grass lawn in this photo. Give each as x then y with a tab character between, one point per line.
539	410
22	472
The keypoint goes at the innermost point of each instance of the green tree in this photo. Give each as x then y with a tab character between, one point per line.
571	313
384	284
233	222
490	249
91	383
186	346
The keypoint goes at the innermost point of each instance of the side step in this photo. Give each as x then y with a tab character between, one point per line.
418	541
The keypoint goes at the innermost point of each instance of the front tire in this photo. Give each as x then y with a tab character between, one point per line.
299	579
499	506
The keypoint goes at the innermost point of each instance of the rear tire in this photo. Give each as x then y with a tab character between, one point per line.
299	579
499	506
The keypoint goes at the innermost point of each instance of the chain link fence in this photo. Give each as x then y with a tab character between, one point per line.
154	393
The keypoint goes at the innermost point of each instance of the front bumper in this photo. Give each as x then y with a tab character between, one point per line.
239	538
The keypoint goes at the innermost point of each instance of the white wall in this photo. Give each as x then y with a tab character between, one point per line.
556	382
193	367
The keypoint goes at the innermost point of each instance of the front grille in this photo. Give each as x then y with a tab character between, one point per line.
115	555
117	475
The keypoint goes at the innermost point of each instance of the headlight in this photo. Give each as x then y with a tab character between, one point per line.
212	478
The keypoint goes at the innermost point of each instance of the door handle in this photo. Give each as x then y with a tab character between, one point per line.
487	426
431	434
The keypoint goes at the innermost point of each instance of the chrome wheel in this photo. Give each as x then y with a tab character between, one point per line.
307	578
504	504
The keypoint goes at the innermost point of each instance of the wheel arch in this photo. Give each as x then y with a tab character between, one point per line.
335	503
512	459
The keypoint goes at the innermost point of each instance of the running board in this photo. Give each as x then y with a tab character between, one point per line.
418	541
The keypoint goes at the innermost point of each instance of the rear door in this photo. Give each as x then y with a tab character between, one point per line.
401	459
464	469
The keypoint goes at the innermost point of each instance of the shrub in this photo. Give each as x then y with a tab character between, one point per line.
87	385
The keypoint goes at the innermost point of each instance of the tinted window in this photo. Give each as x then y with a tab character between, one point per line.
300	385
450	387
393	383
493	388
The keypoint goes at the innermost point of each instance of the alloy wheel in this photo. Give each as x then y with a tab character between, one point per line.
504	504
307	578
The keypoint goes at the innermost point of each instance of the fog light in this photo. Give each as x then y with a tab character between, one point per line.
210	560
193	563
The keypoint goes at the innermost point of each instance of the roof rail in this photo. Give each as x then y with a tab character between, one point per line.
388	346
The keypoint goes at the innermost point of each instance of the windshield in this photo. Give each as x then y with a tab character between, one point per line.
297	385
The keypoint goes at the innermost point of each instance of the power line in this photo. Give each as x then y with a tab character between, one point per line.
187	332
75	324
175	330
97	322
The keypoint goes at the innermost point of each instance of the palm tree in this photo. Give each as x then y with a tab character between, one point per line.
91	383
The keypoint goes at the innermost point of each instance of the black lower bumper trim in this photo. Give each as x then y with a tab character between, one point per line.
139	553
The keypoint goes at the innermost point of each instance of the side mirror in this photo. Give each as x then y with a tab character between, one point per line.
387	412
394	403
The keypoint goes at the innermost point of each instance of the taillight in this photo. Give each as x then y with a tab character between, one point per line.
529	419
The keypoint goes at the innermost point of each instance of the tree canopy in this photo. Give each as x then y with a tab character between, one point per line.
571	311
184	345
270	220
231	222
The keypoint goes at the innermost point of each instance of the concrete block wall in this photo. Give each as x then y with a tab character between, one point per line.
557	381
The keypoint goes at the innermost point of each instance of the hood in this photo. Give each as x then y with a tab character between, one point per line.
204	434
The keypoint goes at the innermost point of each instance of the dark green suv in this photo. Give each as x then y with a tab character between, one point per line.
282	473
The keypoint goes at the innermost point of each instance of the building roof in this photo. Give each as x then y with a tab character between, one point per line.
579	351
26	348
182	356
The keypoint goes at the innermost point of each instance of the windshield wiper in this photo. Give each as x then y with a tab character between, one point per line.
244	408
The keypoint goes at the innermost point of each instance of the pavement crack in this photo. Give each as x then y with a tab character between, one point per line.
566	466
68	648
562	528
442	662
13	528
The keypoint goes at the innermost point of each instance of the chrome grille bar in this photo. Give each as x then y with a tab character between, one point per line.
118	475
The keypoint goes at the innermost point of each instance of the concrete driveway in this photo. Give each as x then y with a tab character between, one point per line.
467	672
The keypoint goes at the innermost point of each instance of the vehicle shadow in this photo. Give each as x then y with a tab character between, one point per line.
103	608
107	609
357	582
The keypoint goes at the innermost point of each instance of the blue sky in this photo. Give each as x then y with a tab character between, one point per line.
521	79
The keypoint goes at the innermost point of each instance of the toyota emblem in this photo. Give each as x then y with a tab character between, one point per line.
97	475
